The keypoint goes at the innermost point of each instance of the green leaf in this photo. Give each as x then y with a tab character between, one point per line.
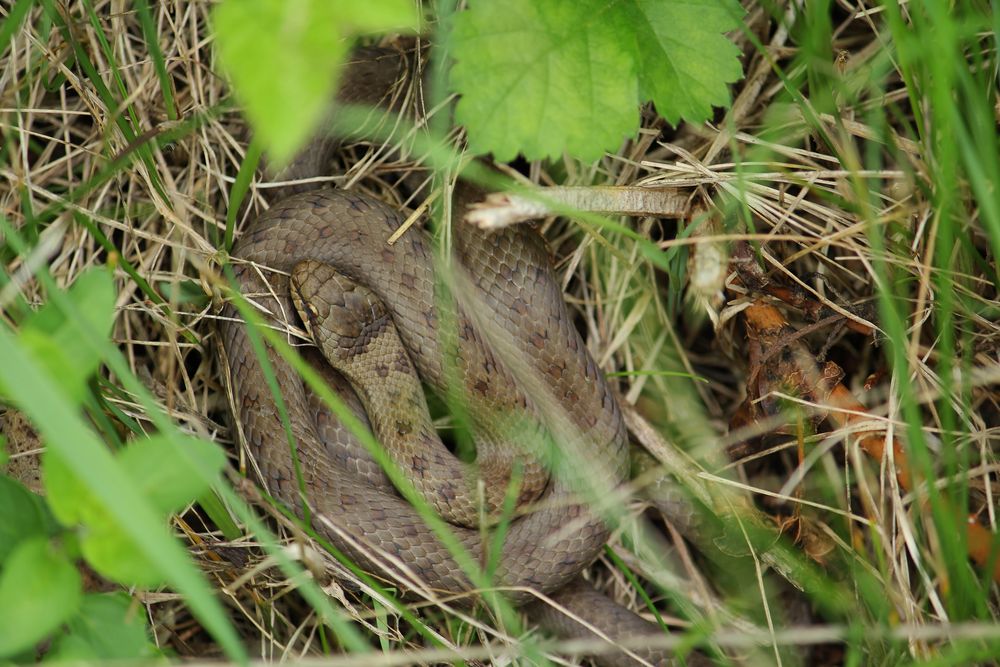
104	544
69	498
168	480
73	371
94	294
39	590
108	627
22	516
284	58
60	343
12	22
544	78
113	554
685	61
60	424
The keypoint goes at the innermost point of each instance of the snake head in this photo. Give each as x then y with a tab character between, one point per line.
342	316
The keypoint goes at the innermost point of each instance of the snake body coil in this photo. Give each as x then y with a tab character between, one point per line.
508	294
349	231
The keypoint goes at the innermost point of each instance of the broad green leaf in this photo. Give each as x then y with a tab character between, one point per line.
60	424
72	369
567	76
22	516
108	627
685	61
284	58
168	478
60	343
94	294
113	553
69	498
170	481
39	590
104	544
543	78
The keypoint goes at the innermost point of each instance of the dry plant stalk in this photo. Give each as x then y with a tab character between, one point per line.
502	209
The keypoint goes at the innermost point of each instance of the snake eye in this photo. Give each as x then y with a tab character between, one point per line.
307	310
313	312
313	315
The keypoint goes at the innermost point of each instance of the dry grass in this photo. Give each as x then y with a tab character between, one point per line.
811	206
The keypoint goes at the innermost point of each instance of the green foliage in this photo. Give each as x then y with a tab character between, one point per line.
684	61
544	78
169	482
121	503
536	78
41	596
23	516
284	58
39	590
567	76
60	343
108	627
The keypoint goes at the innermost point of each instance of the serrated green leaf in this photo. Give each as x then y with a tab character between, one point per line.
168	480
39	590
108	627
543	78
685	61
22	516
565	76
284	57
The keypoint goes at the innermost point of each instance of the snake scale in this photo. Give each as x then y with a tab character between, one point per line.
342	236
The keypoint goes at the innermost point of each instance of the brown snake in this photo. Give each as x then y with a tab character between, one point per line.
512	289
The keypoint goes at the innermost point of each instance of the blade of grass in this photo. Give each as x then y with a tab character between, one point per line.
153	45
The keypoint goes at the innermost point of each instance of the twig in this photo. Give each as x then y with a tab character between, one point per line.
503	209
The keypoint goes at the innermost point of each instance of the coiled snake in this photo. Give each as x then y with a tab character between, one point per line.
328	238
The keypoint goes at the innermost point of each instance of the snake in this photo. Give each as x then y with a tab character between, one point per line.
378	329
